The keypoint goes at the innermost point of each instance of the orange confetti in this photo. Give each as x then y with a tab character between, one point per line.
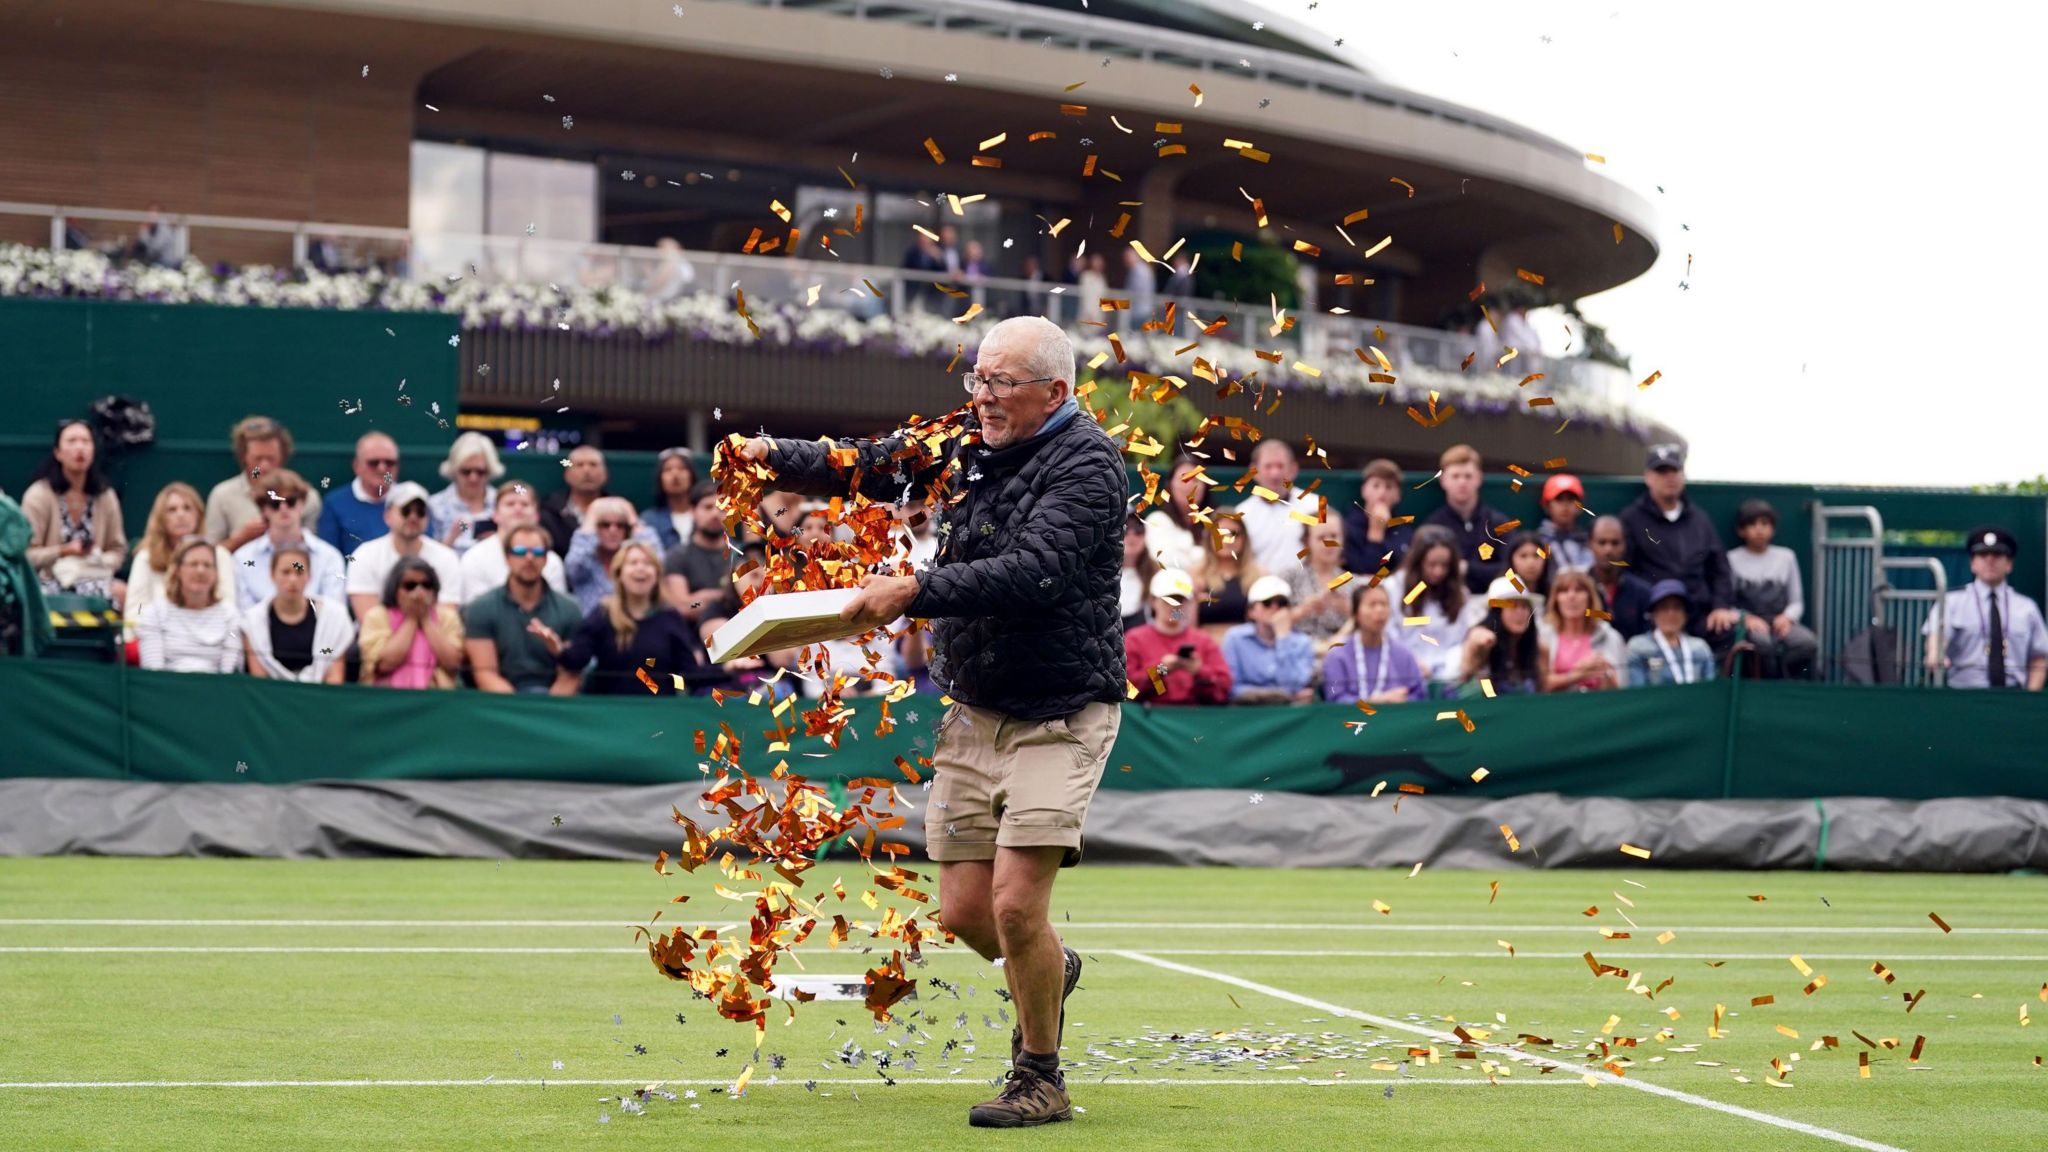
1404	184
1939	922
932	146
1381	908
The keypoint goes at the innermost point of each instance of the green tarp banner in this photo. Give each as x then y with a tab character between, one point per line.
1709	741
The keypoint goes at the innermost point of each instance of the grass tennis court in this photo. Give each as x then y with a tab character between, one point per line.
197	1004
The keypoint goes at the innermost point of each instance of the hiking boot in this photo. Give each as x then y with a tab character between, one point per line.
1066	990
1029	1098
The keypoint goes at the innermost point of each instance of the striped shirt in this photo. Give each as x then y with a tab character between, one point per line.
191	639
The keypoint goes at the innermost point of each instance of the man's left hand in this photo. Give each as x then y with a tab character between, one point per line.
1722	619
881	599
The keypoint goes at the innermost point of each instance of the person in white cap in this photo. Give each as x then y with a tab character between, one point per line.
1505	649
1169	659
405	514
1270	663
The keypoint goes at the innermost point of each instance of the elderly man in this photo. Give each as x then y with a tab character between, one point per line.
356	513
1275	534
1029	641
562	512
1669	538
233	508
405	513
1991	636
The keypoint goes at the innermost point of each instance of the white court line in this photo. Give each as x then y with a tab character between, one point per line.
870	1082
1149	926
1517	1054
939	953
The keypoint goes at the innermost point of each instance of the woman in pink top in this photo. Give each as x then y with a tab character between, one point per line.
1585	653
412	640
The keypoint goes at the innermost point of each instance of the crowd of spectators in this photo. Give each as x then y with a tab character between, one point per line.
1284	597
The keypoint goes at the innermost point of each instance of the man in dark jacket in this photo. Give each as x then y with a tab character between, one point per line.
1669	538
1028	639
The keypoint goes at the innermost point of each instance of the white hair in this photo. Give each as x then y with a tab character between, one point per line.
1043	345
472	444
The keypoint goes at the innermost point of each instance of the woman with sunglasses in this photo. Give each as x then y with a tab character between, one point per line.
671	516
633	644
454	513
412	640
606	527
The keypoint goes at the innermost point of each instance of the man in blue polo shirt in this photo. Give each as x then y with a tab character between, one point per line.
356	513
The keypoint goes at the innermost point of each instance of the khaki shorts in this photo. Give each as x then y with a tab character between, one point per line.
1010	783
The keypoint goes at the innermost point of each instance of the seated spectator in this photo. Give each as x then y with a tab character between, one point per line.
1275	533
191	629
1668	654
1467	518
173	518
632	643
354	514
1585	653
1528	564
1136	577
1367	666
1770	596
1227	569
672	516
1624	595
483	566
1270	662
1322	605
1175	531
455	513
405	512
1506	648
284	526
514	632
1169	659
697	571
291	636
1371	541
234	514
607	525
1437	643
76	542
412	639
565	511
1670	538
1562	532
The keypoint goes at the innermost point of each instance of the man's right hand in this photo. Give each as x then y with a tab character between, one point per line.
756	449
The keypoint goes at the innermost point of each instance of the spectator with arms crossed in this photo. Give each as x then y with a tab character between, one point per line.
514	633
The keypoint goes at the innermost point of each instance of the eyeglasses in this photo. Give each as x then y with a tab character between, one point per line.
602	524
1276	602
474	471
526	550
414	509
999	387
383	463
287	501
415	585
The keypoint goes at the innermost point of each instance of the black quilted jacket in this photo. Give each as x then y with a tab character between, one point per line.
1023	593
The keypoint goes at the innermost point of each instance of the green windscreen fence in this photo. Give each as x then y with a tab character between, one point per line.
1726	739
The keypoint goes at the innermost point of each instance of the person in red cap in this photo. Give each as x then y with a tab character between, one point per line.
1564	531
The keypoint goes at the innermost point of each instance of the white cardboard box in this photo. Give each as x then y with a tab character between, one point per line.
784	620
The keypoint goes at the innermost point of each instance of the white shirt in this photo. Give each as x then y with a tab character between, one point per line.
253	584
484	568
205	639
1275	536
374	559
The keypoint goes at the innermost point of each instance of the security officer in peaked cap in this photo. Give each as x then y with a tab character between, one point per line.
1989	636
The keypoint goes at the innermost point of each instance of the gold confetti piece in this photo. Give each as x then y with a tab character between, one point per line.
1381	908
1257	154
1759	899
1479	774
1414	870
1592	910
1378	248
1088	165
1514	845
849	179
1652	379
1760	1001
1607	1029
1492	890
1632	850
1617	233
1421	586
993	141
932	146
1511	953
973	310
1531	277
1074	109
776	207
985	162
1041	134
1819	982
1863	1065
1486	686
1919	1045
1305	246
1939	922
1886	974
1802	966
925	232
1414	621
1596	158
811	294
1787	1031
954	203
1306	370
1666	937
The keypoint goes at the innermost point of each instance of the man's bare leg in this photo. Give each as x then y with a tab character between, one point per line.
1033	962
967	904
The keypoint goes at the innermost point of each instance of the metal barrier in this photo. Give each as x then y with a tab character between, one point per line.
1848	555
1905	611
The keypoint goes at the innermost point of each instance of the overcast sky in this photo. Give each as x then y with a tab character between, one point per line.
1862	202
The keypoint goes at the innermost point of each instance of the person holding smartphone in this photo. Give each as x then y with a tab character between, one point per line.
1170	660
